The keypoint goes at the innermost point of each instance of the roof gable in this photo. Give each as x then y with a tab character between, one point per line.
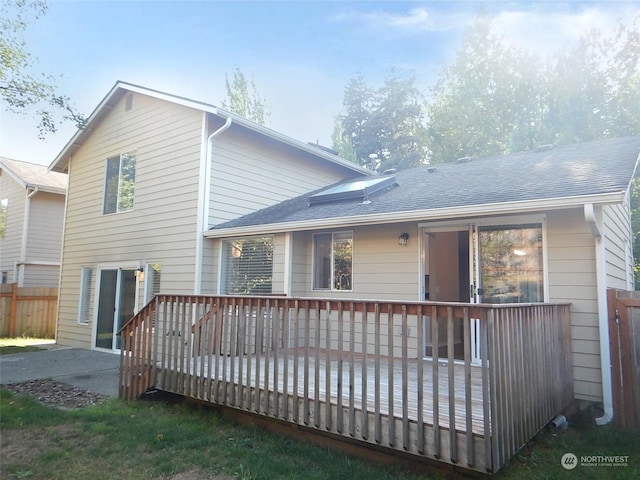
60	163
31	175
548	178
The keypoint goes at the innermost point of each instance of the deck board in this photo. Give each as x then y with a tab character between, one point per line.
243	366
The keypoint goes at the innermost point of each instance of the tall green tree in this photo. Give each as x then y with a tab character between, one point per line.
593	88
496	99
385	126
358	104
23	90
243	99
342	142
488	101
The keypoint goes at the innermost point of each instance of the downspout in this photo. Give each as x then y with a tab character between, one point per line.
603	320
204	217
20	264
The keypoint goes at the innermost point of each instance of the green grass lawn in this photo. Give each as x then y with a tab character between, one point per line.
143	440
22	344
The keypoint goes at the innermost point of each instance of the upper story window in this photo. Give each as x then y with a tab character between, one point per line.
119	183
333	261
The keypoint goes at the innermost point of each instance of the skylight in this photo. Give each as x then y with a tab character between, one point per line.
359	189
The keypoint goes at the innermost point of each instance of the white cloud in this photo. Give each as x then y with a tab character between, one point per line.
414	20
546	32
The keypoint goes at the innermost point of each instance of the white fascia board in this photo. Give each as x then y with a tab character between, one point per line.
467	211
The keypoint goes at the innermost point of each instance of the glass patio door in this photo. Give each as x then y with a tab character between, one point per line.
510	264
116	305
447	269
480	263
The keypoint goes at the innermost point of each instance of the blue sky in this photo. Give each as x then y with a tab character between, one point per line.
300	54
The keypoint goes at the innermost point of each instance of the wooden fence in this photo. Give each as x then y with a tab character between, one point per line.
624	338
357	369
28	311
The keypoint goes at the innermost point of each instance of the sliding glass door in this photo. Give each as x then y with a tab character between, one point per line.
479	263
116	305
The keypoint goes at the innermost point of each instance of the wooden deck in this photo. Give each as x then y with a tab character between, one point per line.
248	375
352	368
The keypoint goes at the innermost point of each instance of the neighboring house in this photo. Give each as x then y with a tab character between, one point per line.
149	174
550	225
31	223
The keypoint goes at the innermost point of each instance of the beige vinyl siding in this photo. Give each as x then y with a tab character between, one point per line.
279	255
210	267
41	276
617	242
382	269
249	173
11	245
301	256
572	278
46	219
160	228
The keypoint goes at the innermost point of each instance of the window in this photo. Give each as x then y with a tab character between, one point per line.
153	280
333	261
119	183
360	189
4	204
86	288
247	266
511	264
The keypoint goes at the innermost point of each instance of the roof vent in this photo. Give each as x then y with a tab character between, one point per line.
324	149
543	148
389	171
431	169
463	160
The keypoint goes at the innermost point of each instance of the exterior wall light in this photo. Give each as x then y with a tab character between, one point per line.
140	274
403	239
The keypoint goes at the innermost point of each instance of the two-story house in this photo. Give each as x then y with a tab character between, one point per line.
149	174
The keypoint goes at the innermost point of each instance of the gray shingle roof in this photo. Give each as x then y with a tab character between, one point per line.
585	169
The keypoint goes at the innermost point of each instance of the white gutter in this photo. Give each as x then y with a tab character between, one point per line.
466	211
203	207
603	316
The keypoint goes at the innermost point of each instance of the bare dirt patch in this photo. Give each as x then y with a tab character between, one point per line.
26	443
197	474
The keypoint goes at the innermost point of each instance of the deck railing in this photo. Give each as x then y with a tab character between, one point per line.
364	369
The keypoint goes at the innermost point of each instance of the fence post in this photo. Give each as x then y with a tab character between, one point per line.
12	310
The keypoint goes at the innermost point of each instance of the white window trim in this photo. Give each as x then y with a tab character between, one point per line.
313	261
104	189
221	262
467	223
85	269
